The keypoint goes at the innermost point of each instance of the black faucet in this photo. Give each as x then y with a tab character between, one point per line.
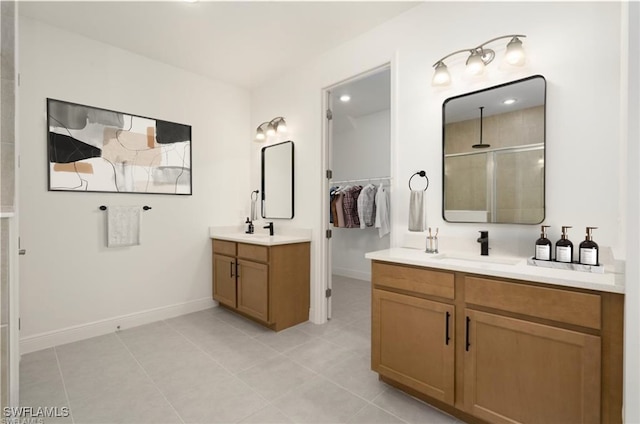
484	243
270	227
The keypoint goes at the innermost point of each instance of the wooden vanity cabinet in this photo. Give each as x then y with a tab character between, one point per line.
412	337
516	371
520	352
269	284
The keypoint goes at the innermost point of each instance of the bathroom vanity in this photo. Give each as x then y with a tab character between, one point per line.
498	342
264	278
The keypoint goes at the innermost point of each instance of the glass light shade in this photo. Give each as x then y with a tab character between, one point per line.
441	75
281	127
515	53
271	130
475	64
260	135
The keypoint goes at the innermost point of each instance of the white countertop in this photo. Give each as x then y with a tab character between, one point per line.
286	236
507	267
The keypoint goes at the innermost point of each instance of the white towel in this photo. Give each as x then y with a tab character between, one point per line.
416	211
382	222
123	226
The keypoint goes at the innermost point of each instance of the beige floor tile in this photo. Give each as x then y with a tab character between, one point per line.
410	409
354	374
229	401
318	354
320	401
371	414
285	339
276	377
268	415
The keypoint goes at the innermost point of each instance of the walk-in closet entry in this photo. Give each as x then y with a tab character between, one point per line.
358	152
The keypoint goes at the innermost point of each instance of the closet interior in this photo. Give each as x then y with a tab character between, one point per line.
359	187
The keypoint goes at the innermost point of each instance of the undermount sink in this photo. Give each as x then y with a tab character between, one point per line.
478	259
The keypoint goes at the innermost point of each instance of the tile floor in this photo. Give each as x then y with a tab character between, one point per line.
213	366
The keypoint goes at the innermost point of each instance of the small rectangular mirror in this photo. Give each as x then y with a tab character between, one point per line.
493	144
277	181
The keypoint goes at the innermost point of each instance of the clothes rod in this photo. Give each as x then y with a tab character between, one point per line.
104	208
360	179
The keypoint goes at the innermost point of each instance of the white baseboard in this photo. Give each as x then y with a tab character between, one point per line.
351	273
98	328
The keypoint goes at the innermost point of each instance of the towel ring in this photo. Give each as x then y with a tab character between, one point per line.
422	174
256	193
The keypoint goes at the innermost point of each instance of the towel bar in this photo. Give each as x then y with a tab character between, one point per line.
146	208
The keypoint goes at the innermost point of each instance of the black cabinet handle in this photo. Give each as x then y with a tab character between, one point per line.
467	334
231	269
446	329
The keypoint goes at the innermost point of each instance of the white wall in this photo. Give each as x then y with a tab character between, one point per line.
632	291
68	277
360	150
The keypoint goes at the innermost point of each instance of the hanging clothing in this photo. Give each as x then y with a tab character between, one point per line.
367	206
332	195
382	222
338	217
350	205
416	210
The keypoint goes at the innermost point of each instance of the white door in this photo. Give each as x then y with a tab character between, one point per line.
9	323
357	152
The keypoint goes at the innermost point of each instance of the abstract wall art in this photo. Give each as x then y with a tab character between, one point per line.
98	150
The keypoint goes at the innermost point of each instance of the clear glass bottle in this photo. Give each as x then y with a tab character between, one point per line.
543	246
564	247
589	251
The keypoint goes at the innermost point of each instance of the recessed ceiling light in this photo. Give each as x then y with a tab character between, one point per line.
510	101
345	98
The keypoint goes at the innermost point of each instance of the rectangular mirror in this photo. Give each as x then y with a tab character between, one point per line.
277	181
493	144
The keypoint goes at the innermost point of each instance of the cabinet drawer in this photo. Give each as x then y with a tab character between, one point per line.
224	247
417	280
558	305
253	252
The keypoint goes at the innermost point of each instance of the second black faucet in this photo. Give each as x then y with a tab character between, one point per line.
270	227
484	243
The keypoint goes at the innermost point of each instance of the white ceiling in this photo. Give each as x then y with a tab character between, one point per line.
369	94
243	43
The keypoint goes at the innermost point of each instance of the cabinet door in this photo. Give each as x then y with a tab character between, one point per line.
412	342
521	372
253	289
224	280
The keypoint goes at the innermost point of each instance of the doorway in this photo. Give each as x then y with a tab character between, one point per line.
358	163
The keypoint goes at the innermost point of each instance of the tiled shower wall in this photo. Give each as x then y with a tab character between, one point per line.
7	176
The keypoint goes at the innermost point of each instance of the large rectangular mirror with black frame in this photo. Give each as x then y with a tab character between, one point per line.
277	181
494	154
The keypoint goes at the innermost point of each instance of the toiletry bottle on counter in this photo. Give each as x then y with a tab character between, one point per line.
564	248
588	253
543	246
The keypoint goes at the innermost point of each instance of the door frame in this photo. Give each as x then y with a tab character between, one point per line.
324	303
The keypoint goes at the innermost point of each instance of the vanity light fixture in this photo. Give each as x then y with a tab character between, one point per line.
270	128
479	57
481	145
